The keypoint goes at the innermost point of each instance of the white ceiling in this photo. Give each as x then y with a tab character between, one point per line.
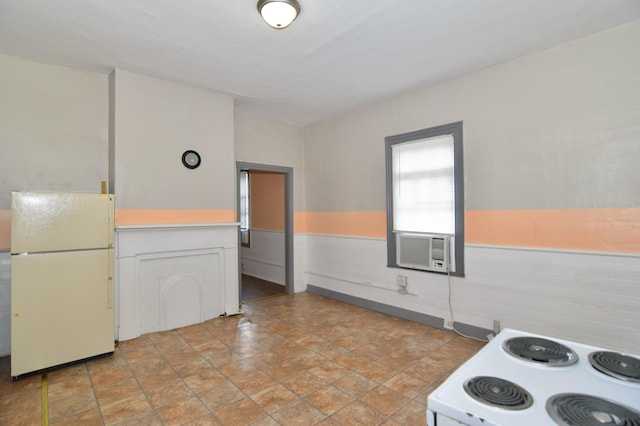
337	56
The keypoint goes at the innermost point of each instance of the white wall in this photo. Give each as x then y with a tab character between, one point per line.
587	297
175	250
555	129
155	122
53	136
558	129
261	140
53	123
53	130
264	258
170	276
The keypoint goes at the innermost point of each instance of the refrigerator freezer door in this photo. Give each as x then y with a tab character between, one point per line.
61	308
51	221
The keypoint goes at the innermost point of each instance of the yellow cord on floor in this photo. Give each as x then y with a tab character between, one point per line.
44	398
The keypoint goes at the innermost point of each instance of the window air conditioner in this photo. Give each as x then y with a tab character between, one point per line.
424	252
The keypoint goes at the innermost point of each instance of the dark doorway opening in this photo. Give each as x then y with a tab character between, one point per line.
256	289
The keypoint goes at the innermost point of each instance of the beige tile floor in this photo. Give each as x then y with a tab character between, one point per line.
292	360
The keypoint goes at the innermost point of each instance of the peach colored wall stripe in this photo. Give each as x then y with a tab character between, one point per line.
267	201
164	217
609	230
5	229
138	217
299	222
361	223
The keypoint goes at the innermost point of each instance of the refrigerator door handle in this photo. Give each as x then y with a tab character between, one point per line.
110	293
110	288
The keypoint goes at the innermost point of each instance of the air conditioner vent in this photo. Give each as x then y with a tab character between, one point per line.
437	249
424	252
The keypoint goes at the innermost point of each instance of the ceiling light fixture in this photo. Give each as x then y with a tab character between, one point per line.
278	13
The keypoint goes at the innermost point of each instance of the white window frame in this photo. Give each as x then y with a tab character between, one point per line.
457	237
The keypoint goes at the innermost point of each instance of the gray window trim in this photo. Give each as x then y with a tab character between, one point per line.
455	129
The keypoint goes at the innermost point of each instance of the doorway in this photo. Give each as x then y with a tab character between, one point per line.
265	258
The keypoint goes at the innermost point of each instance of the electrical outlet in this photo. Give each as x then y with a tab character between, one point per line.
402	284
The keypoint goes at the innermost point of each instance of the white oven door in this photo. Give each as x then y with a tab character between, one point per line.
435	419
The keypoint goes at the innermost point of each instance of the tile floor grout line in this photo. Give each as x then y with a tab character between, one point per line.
197	394
346	344
162	354
93	388
155	409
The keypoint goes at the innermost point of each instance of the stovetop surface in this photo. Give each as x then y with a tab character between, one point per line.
542	381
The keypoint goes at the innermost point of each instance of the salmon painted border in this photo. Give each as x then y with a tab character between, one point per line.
608	229
165	217
139	217
615	230
371	224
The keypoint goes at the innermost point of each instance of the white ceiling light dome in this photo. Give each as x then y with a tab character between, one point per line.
278	13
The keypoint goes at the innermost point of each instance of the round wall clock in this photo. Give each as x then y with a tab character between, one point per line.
191	159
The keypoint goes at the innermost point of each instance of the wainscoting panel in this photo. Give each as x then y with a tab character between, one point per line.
179	288
265	258
172	276
583	296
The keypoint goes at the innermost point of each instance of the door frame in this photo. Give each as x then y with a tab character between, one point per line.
288	219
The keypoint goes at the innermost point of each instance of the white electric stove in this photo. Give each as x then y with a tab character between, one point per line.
525	379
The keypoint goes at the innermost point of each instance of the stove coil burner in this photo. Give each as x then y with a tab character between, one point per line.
498	392
573	409
543	351
616	365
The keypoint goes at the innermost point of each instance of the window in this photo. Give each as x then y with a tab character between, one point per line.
245	229
425	199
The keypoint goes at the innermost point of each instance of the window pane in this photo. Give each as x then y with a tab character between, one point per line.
244	200
244	237
423	186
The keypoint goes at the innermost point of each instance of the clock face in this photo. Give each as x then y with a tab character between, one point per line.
191	159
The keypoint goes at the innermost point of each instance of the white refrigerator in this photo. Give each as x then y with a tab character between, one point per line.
61	278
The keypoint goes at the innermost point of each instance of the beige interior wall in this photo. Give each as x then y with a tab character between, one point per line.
556	129
53	131
259	139
262	140
155	122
